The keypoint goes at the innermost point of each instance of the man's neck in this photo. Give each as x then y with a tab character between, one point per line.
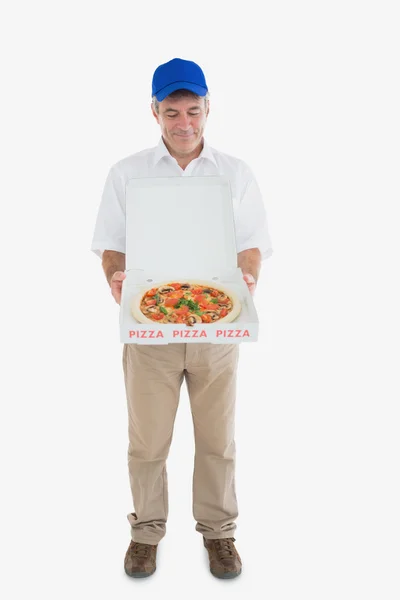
184	159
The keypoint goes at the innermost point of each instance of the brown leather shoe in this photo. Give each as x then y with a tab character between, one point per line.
225	561
140	560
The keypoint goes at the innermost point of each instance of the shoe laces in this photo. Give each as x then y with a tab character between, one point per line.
225	548
140	550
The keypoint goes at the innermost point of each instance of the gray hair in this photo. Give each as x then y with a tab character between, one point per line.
180	94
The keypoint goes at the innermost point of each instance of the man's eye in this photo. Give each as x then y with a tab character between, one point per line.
196	114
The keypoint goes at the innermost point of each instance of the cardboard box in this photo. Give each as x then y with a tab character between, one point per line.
180	229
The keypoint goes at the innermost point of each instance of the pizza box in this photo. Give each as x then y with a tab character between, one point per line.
181	229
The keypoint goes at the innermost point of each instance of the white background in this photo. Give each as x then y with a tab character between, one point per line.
308	94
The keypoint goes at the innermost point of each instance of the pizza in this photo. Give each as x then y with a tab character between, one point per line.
187	302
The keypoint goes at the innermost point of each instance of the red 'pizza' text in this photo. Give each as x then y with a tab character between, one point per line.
145	333
233	333
192	333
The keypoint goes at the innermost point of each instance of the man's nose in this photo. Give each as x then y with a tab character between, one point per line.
184	121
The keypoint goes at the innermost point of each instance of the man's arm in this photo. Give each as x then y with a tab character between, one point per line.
250	263
112	262
114	266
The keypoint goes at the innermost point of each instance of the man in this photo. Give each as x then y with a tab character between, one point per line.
154	374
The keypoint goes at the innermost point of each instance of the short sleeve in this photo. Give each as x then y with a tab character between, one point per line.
110	228
251	220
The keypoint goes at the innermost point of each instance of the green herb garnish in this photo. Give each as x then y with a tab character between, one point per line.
193	305
180	302
163	310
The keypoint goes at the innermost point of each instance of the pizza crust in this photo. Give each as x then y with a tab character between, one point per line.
231	316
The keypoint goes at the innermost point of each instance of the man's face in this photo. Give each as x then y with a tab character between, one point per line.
182	123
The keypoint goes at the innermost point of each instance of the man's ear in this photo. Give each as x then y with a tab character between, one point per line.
154	113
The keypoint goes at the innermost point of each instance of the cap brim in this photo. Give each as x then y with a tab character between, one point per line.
199	90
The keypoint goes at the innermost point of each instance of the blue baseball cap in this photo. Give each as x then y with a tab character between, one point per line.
178	74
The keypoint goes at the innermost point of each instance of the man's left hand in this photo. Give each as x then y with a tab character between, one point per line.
251	282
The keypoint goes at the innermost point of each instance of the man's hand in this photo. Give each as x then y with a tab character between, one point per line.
250	263
116	285
251	282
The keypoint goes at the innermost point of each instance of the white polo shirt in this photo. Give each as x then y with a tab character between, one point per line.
250	217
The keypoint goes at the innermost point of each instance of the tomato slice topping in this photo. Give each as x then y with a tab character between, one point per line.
206	318
170	301
209	306
224	300
176	286
182	310
152	292
150	302
157	316
223	312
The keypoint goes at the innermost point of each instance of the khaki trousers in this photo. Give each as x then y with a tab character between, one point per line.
153	378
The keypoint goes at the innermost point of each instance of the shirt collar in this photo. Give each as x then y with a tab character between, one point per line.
161	151
207	153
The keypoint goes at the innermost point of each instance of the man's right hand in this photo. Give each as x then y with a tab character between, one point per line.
116	285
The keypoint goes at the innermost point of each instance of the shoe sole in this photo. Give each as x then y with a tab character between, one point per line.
226	575
139	575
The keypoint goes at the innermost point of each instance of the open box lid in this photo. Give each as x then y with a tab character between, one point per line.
185	221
